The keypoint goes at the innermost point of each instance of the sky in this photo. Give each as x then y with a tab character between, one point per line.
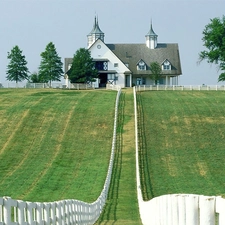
32	24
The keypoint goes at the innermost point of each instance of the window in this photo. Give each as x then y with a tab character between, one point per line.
116	65
141	65
139	81
166	65
99	65
143	80
111	76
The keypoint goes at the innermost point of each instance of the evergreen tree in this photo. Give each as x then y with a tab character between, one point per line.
83	68
50	68
17	68
214	41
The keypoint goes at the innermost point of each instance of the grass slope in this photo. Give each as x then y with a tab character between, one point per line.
54	144
182	142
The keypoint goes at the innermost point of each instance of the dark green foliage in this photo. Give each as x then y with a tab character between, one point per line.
50	68
214	41
35	78
83	68
17	68
156	71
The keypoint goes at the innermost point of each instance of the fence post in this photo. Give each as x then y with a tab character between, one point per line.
182	209
47	213
1	207
175	214
21	212
39	213
192	215
220	208
7	201
207	210
53	213
30	216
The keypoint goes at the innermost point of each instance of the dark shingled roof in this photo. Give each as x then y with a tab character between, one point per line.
131	54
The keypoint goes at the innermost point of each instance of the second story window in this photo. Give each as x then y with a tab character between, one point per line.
100	65
141	65
166	65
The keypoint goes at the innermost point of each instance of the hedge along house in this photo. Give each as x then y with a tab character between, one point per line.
129	64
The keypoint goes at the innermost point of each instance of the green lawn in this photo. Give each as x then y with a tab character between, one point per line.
54	144
182	142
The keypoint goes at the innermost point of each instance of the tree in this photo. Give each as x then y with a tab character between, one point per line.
156	71
214	41
17	68
50	68
35	78
83	68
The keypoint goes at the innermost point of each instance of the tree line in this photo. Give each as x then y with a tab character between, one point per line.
51	67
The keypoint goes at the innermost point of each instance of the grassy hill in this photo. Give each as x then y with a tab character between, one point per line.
182	142
54	144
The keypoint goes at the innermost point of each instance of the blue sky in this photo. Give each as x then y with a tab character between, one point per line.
32	24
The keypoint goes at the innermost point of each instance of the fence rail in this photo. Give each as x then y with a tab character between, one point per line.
77	86
17	212
180	88
32	85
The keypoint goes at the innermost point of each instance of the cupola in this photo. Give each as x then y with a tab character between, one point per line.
95	33
151	38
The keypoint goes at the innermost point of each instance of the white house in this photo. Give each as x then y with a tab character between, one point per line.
129	64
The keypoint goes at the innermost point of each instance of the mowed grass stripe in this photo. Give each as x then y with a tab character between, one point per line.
66	140
56	152
184	135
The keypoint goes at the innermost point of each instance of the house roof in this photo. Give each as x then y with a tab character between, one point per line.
131	53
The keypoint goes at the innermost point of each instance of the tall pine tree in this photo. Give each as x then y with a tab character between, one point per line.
17	68
50	68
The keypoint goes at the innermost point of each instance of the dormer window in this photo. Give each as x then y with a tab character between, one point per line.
141	65
166	65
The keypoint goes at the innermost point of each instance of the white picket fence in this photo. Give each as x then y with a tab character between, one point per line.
32	85
184	209
180	88
17	212
177	209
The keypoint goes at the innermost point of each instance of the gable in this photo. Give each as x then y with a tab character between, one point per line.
100	51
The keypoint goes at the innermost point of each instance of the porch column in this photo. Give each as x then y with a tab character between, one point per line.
130	80
167	80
